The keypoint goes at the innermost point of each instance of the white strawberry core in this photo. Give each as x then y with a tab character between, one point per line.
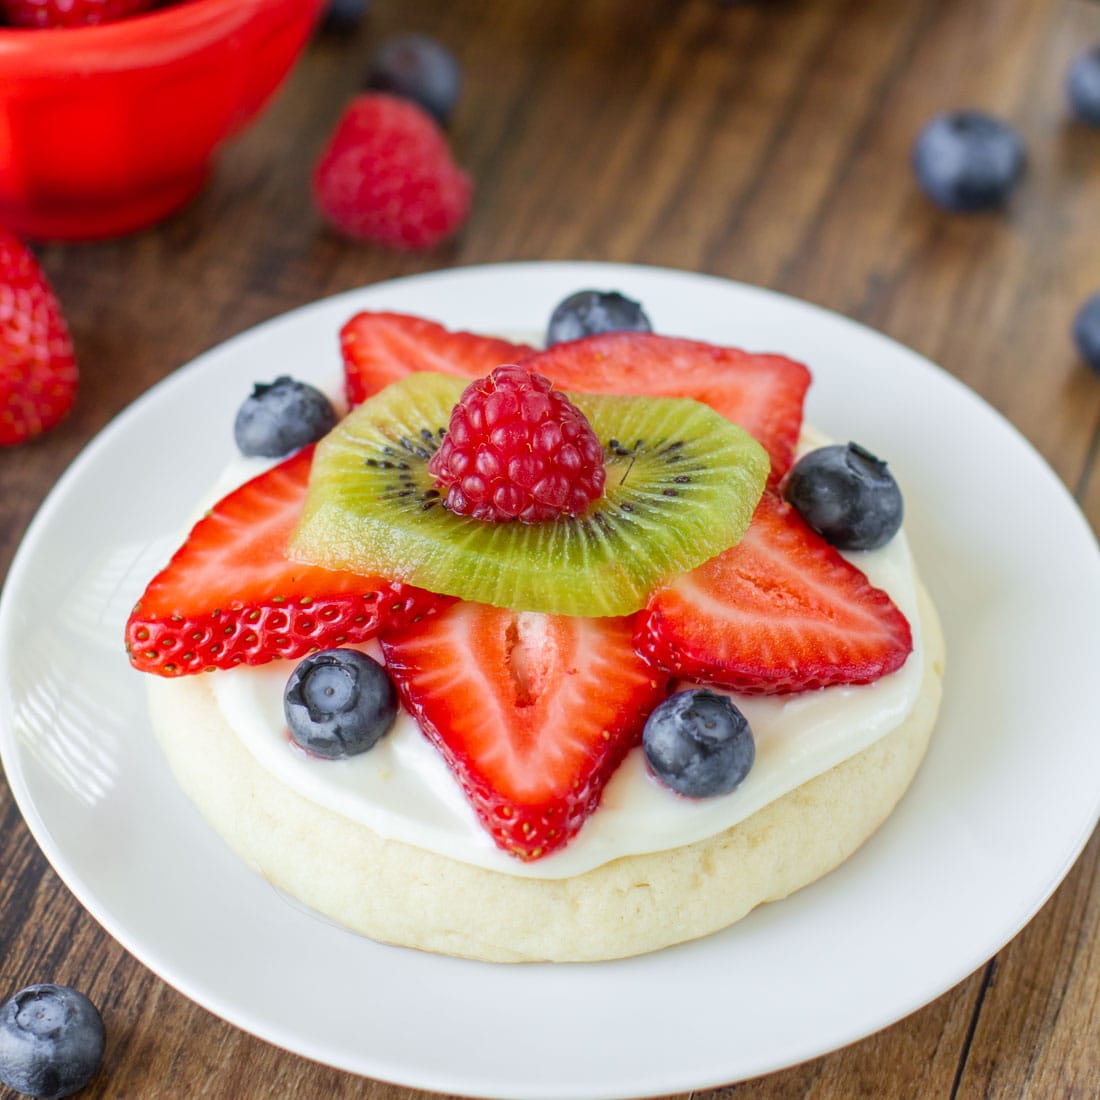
528	638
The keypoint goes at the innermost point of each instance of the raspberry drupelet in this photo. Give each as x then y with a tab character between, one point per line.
517	449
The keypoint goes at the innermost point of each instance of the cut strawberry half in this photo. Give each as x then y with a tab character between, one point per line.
230	596
781	611
531	712
380	348
763	394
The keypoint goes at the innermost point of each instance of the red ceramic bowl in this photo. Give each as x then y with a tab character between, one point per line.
104	130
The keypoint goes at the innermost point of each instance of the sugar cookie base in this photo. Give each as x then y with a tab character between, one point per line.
396	893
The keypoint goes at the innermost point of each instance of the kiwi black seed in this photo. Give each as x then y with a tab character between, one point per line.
682	484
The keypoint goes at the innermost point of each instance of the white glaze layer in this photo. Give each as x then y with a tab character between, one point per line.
401	789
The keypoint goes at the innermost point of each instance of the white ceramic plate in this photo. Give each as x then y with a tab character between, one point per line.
1003	805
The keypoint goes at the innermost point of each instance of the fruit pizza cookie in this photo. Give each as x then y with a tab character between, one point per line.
561	654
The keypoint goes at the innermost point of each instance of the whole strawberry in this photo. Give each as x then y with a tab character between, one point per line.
387	175
69	13
37	366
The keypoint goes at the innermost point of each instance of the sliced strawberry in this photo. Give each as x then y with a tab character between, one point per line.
380	348
531	712
781	611
761	393
230	596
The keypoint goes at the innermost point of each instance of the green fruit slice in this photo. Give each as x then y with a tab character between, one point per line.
682	485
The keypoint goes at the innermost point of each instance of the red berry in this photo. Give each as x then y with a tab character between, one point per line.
231	596
764	394
779	612
69	13
518	449
532	713
387	175
761	393
380	348
37	366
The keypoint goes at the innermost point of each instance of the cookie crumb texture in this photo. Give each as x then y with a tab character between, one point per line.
399	894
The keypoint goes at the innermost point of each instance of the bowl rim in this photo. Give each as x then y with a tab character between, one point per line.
173	17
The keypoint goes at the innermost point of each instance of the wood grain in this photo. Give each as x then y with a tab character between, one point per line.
766	142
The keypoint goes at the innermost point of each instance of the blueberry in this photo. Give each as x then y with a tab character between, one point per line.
419	68
339	702
342	16
51	1041
1083	86
281	417
698	743
589	312
847	496
1086	331
967	160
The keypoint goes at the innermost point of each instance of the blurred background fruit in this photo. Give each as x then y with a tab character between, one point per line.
134	138
968	160
1083	86
37	365
419	68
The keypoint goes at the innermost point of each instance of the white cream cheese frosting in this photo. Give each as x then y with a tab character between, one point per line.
402	790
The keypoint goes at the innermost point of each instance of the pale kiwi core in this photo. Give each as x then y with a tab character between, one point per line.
682	485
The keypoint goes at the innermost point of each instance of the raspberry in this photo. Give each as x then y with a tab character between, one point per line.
38	377
69	13
518	449
386	175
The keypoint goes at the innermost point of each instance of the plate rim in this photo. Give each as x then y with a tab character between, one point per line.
362	297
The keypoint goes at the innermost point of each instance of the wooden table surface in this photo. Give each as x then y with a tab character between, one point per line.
767	142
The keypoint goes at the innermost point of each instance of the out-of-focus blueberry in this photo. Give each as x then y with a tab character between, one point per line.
1083	86
1086	331
419	68
968	160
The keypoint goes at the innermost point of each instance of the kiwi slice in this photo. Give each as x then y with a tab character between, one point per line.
682	485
